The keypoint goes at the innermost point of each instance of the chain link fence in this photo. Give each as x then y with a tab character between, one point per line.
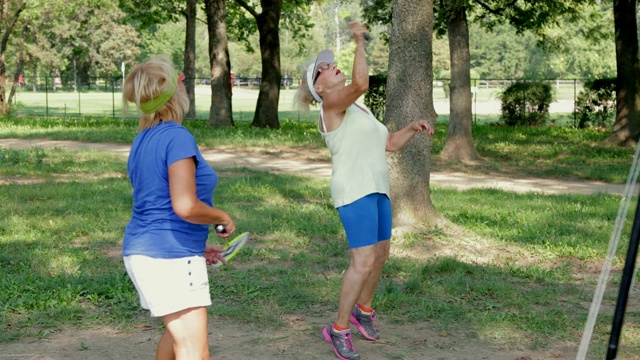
102	97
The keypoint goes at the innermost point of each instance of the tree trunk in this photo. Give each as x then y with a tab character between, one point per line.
7	23
410	57
190	57
459	144
220	113
626	129
16	76
266	115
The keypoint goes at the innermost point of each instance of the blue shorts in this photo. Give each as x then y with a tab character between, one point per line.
367	220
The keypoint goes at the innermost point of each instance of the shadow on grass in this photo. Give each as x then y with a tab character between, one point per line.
54	238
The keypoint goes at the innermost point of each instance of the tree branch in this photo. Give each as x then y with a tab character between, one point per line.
248	8
498	11
9	29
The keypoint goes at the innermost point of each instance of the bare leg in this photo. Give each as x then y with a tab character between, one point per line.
165	347
370	285
188	329
362	265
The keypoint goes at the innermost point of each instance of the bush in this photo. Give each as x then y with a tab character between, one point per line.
375	97
526	103
596	104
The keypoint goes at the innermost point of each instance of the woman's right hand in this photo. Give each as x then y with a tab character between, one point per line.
358	31
228	225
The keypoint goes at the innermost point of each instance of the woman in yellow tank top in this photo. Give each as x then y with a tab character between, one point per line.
359	185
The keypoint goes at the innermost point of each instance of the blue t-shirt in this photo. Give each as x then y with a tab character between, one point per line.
154	229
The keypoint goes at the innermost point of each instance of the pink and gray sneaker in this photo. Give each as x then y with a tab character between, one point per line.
342	343
366	324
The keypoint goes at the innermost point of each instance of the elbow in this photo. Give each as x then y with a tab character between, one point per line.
361	86
185	209
360	83
391	147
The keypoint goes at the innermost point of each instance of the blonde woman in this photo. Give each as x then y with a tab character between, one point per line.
165	247
359	184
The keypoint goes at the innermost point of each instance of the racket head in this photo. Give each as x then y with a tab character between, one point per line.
232	248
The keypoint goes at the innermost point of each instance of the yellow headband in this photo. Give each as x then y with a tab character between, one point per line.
153	105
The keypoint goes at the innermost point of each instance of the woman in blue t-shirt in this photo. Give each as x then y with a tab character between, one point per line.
165	247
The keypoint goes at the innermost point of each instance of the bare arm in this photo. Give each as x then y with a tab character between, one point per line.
182	187
400	138
336	103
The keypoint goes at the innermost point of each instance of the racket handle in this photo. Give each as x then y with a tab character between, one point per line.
367	36
220	229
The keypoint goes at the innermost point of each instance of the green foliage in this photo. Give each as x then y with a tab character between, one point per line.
526	103
375	97
596	104
243	18
10	157
511	40
377	12
144	14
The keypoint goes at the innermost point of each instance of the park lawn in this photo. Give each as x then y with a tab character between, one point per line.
63	215
557	152
90	103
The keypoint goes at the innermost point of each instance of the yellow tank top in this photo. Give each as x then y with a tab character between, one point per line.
358	155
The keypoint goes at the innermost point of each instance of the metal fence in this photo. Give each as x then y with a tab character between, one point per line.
102	97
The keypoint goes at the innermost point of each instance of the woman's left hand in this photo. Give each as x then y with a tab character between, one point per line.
422	125
213	254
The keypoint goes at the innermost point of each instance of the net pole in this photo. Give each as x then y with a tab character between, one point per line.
625	287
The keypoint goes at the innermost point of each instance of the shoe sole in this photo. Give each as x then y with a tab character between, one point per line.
327	337
364	333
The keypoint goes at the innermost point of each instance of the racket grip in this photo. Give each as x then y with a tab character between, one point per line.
367	36
220	229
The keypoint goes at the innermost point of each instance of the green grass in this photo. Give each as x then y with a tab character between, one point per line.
547	151
60	255
109	104
292	133
542	224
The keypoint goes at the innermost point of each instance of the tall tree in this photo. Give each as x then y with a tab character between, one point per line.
410	57
294	16
9	15
268	22
189	70
626	129
147	13
220	113
451	16
459	143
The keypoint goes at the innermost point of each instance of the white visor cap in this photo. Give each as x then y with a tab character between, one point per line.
325	56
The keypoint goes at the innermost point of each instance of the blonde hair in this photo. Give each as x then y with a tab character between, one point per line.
303	98
148	80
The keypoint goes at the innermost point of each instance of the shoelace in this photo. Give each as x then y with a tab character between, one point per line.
348	341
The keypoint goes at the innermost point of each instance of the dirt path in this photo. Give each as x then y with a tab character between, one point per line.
300	338
306	164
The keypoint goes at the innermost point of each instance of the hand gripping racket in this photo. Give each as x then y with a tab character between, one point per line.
232	248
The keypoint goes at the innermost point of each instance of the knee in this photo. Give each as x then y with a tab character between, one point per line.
364	268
